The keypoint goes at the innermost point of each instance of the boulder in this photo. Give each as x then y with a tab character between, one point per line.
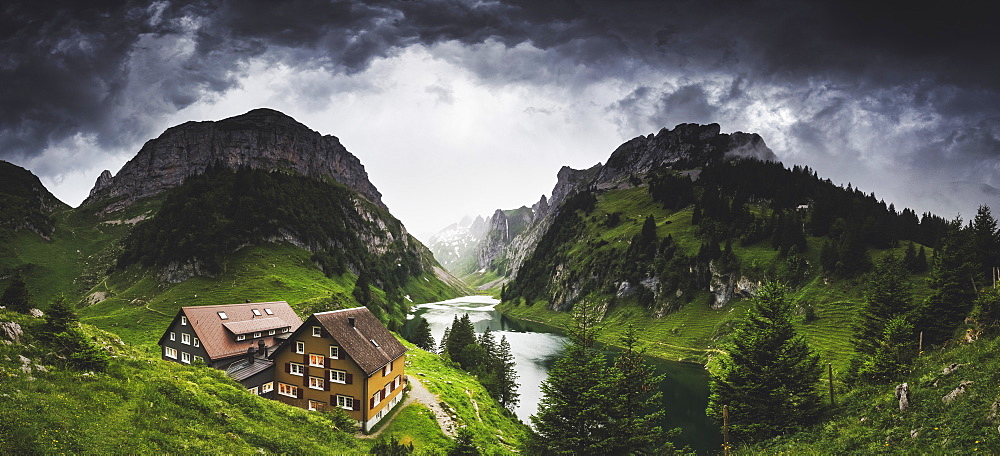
903	395
11	331
960	390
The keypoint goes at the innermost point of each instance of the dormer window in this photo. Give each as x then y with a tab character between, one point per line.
256	335
223	316
256	312
317	332
268	311
270	333
184	320
241	337
374	343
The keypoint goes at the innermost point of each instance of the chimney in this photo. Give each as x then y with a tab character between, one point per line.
250	356
350	321
261	348
248	301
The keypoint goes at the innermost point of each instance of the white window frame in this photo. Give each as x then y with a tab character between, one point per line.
255	312
223	316
185	357
285	389
184	320
345	402
170	352
297	369
185	338
316	383
387	370
254	391
317	331
256	335
197	343
315	405
300	347
270	333
173	336
241	337
198	358
338	376
313	357
267	387
268	311
396	382
377	397
334	352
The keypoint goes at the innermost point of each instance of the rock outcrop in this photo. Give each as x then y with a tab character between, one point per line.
260	139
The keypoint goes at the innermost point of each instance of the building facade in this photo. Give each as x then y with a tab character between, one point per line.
236	338
345	359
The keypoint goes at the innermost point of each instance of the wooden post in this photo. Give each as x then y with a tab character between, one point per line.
921	341
725	429
830	370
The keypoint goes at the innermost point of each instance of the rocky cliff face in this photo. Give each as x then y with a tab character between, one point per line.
687	146
25	203
260	139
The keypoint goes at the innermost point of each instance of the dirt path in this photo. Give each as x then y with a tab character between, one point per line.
420	393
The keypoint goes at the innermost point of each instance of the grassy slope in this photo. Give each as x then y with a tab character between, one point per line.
695	331
146	405
868	420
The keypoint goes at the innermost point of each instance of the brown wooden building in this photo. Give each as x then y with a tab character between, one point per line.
343	358
236	338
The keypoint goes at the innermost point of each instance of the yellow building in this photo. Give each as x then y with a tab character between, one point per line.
343	358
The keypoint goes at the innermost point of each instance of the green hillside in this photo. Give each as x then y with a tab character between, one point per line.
142	404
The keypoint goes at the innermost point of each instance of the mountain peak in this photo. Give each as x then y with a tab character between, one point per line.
262	138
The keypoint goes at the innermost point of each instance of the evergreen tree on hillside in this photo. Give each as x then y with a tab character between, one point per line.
986	237
362	289
952	289
884	342
768	380
634	429
506	388
461	335
893	352
464	444
16	297
61	316
422	337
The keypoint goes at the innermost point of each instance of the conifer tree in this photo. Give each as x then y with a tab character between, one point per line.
952	289
16	297
893	352
507	394
634	428
768	380
423	337
60	316
362	289
462	335
887	295
464	445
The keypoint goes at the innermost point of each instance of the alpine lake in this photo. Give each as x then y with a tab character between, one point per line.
536	347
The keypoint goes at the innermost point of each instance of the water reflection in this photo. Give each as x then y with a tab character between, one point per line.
536	347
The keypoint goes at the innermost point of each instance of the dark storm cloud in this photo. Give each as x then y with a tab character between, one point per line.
114	69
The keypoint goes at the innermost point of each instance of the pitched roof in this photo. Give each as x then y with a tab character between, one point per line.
357	340
214	332
243	370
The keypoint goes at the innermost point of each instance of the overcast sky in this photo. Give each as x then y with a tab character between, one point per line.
460	107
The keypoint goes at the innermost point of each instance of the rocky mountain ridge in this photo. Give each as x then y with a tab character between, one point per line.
260	139
25	203
687	146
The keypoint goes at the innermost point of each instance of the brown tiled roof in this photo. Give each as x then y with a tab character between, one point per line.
218	341
255	325
356	341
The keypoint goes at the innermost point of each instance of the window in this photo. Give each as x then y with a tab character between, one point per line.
285	389
376	398
267	387
395	382
170	352
300	347
173	336
185	338
387	369
345	402
268	311
316	360
256	312
316	405
317	331
387	390
198	358
316	383
288	329
296	369
270	333
223	316
256	335
197	343
185	357
253	391
241	337
184	320
334	352
338	376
